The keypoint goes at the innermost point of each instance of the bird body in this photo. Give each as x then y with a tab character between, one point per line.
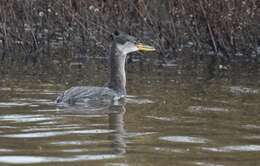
83	94
115	89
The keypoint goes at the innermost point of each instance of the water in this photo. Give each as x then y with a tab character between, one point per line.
173	117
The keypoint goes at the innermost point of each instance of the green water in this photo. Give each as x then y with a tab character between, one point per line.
173	116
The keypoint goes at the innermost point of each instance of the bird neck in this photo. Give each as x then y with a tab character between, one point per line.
117	71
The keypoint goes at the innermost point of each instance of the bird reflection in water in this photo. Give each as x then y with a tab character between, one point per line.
116	123
115	114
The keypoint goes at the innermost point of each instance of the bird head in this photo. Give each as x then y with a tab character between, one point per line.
127	44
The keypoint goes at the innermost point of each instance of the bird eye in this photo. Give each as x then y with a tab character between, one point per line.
116	33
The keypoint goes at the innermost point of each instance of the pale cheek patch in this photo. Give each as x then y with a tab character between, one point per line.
127	48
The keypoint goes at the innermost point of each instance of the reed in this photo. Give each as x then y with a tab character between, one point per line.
39	32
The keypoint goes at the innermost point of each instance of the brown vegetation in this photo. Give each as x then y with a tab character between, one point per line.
36	31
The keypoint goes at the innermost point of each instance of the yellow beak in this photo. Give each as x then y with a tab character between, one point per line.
144	48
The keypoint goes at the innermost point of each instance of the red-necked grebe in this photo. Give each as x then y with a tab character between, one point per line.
115	89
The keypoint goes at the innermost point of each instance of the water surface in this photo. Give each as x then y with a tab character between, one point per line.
172	117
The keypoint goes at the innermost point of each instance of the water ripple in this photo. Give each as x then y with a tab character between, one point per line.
204	109
184	139
161	118
42	129
169	150
41	159
207	164
243	90
137	134
250	126
138	100
55	133
6	150
25	118
76	142
235	148
13	104
34	101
